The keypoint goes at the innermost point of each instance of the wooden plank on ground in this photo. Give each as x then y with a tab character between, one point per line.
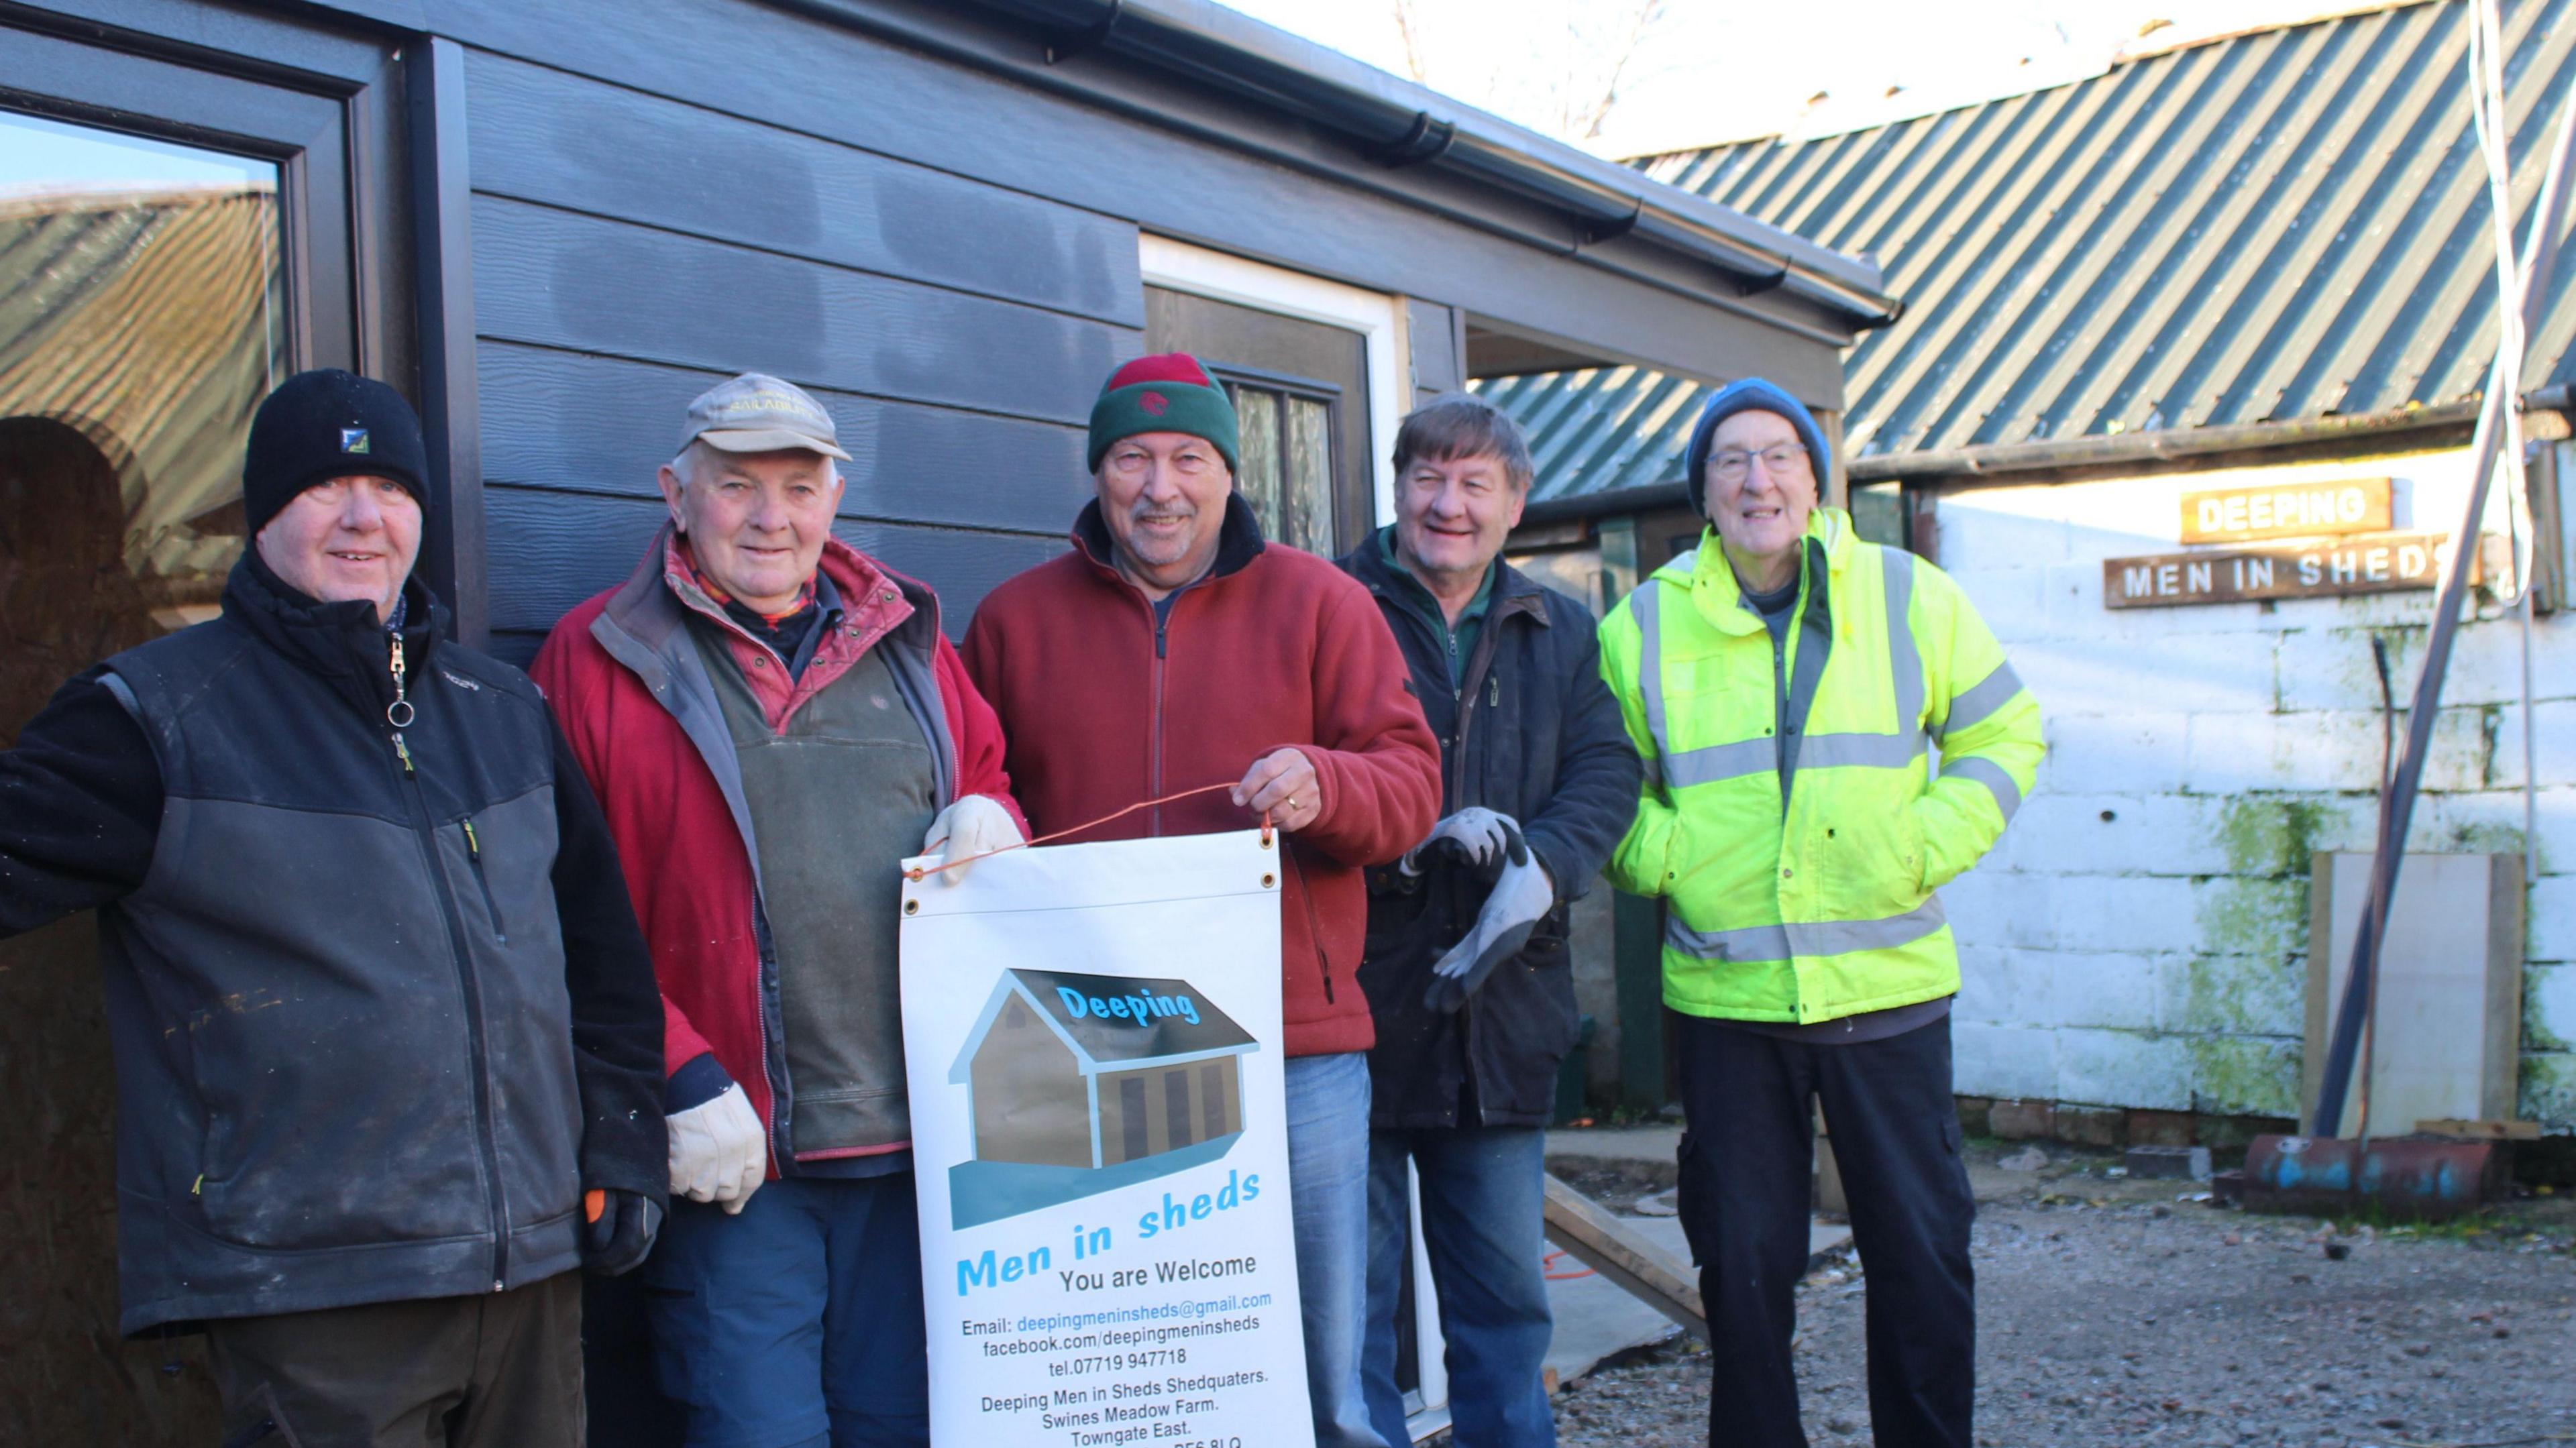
1603	1243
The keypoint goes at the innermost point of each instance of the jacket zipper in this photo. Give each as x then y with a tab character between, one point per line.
1480	669
1162	619
483	880
400	714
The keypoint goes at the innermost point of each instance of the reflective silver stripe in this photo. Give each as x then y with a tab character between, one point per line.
1881	751
1978	704
1722	761
1990	774
1811	938
1904	660
1650	661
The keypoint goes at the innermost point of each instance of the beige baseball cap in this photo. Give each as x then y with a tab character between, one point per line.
760	413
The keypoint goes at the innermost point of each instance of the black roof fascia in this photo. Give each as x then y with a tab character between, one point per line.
1404	125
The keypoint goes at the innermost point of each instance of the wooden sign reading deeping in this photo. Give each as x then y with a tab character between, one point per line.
2287	510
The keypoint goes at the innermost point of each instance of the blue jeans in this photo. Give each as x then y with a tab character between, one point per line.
797	1324
1328	1113
1481	1203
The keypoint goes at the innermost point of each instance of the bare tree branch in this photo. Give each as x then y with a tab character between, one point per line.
1642	19
1408	28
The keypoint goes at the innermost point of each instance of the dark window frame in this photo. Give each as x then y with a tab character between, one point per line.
332	105
1351	494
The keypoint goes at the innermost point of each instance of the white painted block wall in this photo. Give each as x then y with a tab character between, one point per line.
2140	937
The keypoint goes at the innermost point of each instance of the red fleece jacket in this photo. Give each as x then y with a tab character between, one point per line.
1276	647
686	863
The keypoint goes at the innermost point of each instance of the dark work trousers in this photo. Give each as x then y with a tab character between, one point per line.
496	1370
1747	1159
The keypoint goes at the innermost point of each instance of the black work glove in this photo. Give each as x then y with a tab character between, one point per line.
1520	899
620	1232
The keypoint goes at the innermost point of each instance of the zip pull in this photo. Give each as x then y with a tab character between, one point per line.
399	713
473	846
1493	691
402	752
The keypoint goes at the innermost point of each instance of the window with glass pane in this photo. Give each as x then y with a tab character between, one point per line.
142	318
1287	456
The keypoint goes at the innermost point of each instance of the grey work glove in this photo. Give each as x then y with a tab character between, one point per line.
1520	899
1473	834
621	1233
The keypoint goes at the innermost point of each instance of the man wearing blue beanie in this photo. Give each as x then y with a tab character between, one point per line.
1784	683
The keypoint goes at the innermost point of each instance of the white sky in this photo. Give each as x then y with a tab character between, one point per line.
1715	70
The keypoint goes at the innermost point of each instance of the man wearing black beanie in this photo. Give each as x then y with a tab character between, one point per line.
388	1047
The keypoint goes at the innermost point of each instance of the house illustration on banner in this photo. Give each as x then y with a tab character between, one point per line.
1078	1084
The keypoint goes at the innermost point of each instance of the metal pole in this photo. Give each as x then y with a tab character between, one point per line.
2361	980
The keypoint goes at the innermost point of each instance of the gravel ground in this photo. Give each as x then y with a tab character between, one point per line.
2110	1312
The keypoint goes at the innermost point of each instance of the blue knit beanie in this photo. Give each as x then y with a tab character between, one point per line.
1753	394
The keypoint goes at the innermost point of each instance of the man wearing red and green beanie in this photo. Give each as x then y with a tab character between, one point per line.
1175	648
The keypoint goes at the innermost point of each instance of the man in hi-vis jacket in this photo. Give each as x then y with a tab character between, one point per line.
1787	685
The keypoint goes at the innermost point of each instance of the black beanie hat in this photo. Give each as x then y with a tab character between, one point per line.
327	424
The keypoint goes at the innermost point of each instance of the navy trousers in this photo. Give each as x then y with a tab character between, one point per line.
798	1323
1746	1160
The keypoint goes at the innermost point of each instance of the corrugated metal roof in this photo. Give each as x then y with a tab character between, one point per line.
2283	225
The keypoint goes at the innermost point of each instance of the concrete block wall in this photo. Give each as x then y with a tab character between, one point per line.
2139	939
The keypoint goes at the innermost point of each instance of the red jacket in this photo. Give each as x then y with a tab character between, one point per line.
634	700
1275	647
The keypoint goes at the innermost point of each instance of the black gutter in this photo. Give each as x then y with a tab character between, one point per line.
1408	125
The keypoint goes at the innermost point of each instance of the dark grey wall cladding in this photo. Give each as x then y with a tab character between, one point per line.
631	250
558	279
604	425
556	549
542	135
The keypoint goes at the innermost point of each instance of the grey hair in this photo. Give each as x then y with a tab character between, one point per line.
1463	425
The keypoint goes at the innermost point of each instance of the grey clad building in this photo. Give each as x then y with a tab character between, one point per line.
551	224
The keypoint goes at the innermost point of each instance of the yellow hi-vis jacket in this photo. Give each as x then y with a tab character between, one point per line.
1813	900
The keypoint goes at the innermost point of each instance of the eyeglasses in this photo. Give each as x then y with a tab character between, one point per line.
1733	465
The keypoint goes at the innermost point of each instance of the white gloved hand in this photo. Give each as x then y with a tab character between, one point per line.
976	824
1520	899
719	1150
1476	831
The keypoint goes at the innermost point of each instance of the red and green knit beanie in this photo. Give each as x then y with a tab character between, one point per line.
1168	393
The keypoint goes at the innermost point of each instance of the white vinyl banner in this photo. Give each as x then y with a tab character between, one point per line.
1099	1134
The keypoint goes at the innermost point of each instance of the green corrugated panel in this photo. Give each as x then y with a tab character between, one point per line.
2281	225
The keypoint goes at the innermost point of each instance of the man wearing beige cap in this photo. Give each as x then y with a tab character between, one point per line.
772	720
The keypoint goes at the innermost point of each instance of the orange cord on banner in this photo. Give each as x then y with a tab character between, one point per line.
917	874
